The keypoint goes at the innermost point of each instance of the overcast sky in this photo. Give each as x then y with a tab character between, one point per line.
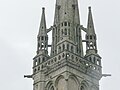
19	24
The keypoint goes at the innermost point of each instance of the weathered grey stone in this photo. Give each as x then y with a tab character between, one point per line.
67	68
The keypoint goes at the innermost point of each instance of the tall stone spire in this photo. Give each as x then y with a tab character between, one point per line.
91	47
67	25
42	35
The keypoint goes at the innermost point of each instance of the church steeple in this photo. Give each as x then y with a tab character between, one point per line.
42	35
91	47
67	26
67	68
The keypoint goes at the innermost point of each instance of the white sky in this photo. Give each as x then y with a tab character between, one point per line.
19	24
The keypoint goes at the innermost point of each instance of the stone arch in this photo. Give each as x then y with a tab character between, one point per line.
84	85
52	88
60	83
74	77
58	78
73	83
49	86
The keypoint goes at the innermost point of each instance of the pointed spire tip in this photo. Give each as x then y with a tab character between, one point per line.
43	9
89	8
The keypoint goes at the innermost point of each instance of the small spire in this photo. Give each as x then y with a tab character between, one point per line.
42	35
91	47
90	25
42	29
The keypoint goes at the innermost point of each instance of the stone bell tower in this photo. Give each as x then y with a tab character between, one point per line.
66	68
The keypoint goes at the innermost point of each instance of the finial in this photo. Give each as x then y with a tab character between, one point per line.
89	8
43	9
